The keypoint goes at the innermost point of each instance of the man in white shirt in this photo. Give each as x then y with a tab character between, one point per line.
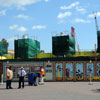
21	74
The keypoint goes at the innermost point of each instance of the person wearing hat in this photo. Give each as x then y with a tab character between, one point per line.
9	77
21	75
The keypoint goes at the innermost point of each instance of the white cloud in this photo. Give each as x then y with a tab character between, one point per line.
46	0
21	29
78	20
13	27
17	2
38	27
22	16
3	13
18	28
74	5
63	15
21	8
81	10
95	14
70	6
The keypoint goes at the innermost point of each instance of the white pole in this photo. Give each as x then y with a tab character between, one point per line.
90	80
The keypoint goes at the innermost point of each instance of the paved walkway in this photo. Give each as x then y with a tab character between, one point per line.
53	91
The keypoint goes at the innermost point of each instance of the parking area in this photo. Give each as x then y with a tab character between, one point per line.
52	91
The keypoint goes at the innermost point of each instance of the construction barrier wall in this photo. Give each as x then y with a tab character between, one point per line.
57	70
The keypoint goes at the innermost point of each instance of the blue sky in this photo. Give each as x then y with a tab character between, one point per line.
42	18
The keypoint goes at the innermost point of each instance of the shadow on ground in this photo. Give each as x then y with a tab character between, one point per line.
96	90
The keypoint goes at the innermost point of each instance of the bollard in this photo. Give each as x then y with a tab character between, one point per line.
1	79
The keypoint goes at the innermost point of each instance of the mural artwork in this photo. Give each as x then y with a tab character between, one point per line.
90	71
79	71
69	71
59	71
98	69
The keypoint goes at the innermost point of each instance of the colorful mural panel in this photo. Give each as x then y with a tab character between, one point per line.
97	77
79	71
98	69
90	71
69	71
59	71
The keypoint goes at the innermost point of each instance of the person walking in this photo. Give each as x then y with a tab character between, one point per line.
9	77
21	75
42	74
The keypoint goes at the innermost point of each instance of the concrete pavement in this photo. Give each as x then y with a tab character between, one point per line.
53	91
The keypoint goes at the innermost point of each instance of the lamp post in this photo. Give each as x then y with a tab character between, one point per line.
90	70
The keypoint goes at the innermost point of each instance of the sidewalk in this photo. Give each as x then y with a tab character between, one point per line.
53	91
